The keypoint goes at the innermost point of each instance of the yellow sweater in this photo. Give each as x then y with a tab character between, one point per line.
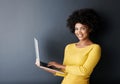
79	63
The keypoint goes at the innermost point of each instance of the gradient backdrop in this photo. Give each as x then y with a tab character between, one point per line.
21	20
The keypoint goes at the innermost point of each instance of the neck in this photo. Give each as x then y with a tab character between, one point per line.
85	42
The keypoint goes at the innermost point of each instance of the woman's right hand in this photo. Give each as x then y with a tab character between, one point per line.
37	63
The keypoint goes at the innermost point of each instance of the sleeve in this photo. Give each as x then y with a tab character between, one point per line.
88	66
62	74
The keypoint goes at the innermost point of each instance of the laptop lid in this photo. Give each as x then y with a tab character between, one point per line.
37	50
43	64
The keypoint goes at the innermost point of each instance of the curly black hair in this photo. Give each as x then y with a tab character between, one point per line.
84	16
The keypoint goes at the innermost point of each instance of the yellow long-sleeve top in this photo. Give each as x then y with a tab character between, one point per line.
79	63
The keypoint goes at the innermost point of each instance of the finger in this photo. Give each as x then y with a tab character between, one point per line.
37	63
50	63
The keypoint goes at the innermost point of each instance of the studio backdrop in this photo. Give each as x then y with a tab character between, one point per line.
22	20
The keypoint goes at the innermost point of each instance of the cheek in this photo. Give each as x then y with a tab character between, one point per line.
86	33
75	32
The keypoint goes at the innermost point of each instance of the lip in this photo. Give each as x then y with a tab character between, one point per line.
79	35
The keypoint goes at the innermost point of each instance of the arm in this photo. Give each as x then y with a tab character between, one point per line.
59	66
88	66
51	71
38	65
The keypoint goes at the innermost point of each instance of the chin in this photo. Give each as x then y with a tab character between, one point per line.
81	39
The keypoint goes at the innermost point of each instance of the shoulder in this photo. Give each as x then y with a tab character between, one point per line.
96	47
70	45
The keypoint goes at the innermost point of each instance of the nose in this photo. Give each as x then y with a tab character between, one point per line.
79	32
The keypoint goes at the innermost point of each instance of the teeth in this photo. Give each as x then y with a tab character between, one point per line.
80	35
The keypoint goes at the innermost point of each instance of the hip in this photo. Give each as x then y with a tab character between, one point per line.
75	79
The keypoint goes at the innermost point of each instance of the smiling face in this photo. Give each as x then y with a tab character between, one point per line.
82	31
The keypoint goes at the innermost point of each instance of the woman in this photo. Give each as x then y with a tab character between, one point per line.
80	58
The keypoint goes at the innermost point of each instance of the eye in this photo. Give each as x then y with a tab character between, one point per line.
83	28
76	28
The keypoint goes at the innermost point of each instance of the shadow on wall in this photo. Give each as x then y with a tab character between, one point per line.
102	70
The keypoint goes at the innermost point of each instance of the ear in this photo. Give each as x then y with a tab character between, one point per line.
90	30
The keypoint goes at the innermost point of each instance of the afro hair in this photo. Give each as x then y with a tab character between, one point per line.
86	17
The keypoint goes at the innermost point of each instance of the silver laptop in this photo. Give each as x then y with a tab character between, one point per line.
41	63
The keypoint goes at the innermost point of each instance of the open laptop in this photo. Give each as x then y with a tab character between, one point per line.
43	64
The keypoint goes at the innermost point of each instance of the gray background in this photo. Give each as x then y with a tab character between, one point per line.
21	20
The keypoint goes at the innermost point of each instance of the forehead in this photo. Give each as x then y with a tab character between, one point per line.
79	25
